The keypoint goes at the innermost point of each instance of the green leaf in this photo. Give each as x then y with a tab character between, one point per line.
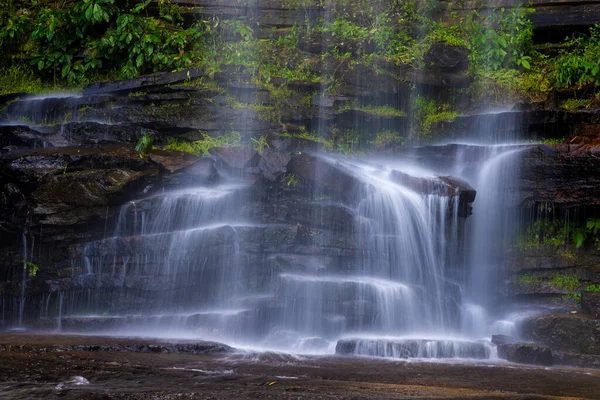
97	12
88	12
139	60
525	64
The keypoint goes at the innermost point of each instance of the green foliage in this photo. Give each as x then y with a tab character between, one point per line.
144	145
260	144
427	113
557	233
578	65
20	78
32	269
291	180
501	39
545	232
75	40
575	104
568	282
201	147
347	142
592	288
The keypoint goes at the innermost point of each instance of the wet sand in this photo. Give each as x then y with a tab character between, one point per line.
42	366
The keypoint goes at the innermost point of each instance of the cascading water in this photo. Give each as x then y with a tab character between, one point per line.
189	263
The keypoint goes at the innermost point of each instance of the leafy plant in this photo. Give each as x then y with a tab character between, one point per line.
260	144
32	269
592	288
291	180
144	145
202	147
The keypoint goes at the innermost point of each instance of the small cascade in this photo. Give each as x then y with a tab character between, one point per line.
416	348
23	298
490	232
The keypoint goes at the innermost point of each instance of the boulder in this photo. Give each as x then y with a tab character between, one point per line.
566	332
526	353
590	303
503	339
236	157
440	186
325	173
273	164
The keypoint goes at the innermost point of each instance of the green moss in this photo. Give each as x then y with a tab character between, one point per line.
528	279
137	94
568	282
592	288
428	113
311	136
201	147
388	139
383	111
575	104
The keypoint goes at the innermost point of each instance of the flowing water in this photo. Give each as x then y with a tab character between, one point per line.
410	277
194	263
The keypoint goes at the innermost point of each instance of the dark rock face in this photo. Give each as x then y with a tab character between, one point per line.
562	174
446	57
526	353
571	333
590	303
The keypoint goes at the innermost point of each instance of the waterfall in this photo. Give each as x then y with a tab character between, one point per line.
490	234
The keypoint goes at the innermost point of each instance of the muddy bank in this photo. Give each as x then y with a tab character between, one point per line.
43	366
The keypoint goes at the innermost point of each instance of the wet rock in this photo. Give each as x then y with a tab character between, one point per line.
157	79
440	186
325	173
559	174
273	164
16	137
526	353
446	57
503	339
202	171
97	133
567	332
238	157
590	303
